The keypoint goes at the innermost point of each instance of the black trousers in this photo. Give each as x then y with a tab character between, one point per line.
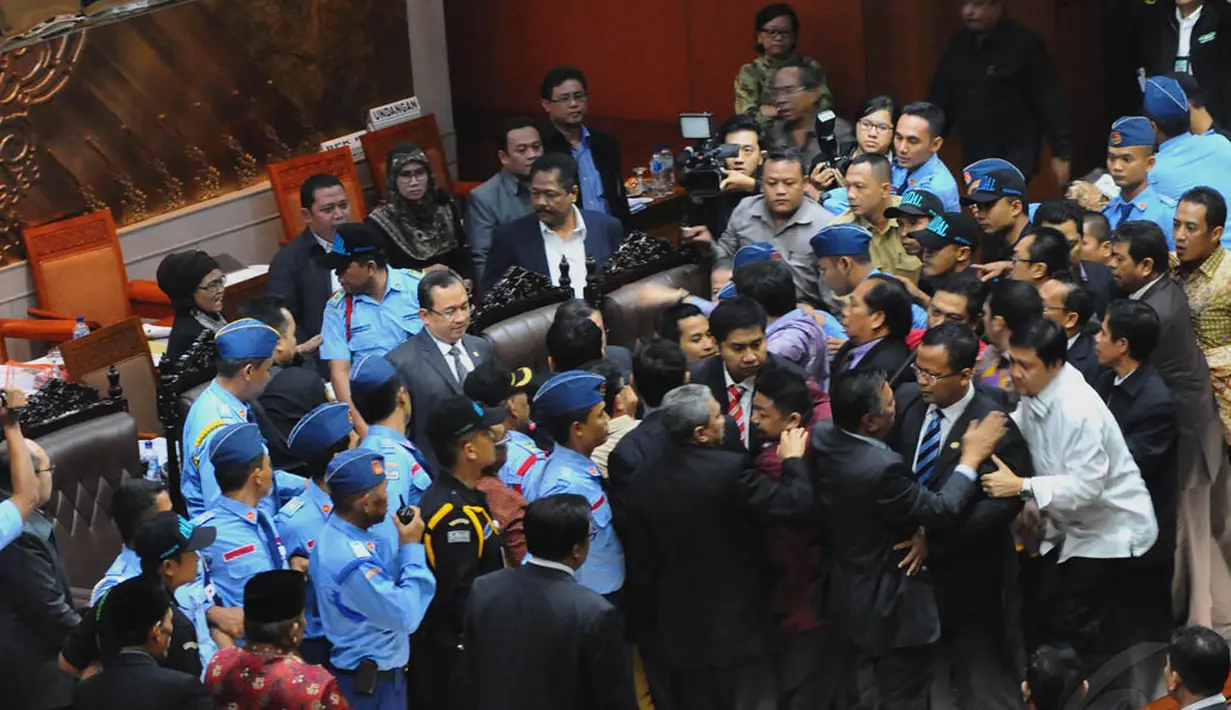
1076	602
315	651
748	685
902	677
434	679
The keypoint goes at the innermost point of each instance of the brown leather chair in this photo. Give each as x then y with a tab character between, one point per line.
521	341
626	323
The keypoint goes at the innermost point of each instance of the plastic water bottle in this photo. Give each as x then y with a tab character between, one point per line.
668	166
656	173
80	329
153	471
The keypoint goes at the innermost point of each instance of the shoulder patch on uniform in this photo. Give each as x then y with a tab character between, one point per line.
393	471
203	518
359	549
336	297
209	428
1167	200
292	506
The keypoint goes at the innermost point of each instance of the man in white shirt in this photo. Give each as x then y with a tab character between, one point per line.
1198	663
1098	511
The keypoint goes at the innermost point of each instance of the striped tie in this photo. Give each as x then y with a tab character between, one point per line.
734	408
925	463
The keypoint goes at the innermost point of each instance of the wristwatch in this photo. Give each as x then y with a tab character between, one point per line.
1027	492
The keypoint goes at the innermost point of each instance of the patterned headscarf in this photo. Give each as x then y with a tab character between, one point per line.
422	228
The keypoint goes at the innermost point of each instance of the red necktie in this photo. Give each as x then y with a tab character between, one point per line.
735	409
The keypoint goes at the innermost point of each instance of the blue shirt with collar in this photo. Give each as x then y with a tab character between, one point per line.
524	458
1148	205
125	566
376	327
369	607
404	468
1189	161
593	197
299	522
10	523
932	176
214	409
246	544
567	471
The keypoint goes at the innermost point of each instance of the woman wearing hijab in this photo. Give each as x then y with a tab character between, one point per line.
421	222
195	284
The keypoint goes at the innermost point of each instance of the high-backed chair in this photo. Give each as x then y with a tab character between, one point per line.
287	177
627	323
24	15
124	346
425	133
78	271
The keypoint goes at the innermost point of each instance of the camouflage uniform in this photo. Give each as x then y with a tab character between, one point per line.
754	85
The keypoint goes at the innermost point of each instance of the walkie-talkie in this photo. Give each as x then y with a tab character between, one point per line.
406	514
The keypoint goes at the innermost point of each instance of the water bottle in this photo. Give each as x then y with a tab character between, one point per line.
80	329
153	471
656	173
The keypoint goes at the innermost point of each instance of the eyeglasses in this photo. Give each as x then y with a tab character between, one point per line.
925	376
413	175
778	34
872	127
1055	308
454	312
218	285
788	90
1018	260
575	97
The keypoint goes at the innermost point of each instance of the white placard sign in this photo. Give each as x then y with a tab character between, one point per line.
394	113
349	141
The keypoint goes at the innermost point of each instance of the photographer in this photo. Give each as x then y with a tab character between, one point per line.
797	95
25	495
740	178
873	134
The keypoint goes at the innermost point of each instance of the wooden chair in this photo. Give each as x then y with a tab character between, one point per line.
287	177
79	271
124	346
22	16
423	132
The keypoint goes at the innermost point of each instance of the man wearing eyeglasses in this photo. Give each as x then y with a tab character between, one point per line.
1072	306
967	561
434	364
797	89
565	98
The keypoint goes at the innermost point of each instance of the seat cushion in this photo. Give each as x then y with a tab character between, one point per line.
521	341
627	324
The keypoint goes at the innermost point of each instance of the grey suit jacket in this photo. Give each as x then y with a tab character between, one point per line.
429	380
1178	358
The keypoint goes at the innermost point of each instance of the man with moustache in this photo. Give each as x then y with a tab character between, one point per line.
506	195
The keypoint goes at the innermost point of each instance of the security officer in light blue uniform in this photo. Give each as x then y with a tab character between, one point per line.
247	542
383	402
1130	153
852	240
323	433
376	309
976	170
493	385
245	355
571	406
369	608
1184	160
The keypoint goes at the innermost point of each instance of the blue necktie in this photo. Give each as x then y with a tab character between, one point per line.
925	463
1126	211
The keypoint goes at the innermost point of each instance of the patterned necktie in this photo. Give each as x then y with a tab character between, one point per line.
925	463
459	368
734	408
1126	211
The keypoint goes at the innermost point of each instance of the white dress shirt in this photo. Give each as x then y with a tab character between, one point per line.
745	401
1183	50
444	350
1136	295
573	248
949	415
1085	478
334	284
550	564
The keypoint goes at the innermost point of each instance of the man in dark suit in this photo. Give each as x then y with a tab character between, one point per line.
703	509
871	501
1070	219
970	560
565	99
434	364
877	319
558	230
738	326
136	622
1203	574
1146	412
1069	304
577	308
534	637
300	272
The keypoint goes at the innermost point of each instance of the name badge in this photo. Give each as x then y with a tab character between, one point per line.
1207	37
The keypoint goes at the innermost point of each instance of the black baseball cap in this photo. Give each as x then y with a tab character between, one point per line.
916	203
491	383
355	241
949	228
995	185
167	534
458	416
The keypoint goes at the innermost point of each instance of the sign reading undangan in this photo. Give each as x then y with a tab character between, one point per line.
393	114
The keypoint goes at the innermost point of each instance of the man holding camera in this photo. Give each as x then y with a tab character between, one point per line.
797	90
740	178
869	189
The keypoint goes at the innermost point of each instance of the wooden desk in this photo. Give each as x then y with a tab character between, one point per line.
661	218
243	286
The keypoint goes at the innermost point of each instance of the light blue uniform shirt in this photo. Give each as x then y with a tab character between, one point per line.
1148	205
368	607
1189	161
524	457
375	327
194	598
933	177
299	522
247	544
592	195
406	475
569	472
10	523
